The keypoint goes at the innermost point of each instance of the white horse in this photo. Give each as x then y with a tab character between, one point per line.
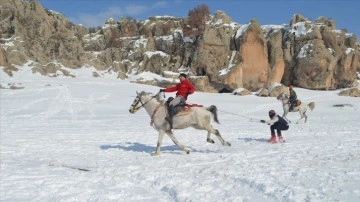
302	108
197	117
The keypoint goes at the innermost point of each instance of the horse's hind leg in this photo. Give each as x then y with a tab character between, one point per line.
303	115
217	133
173	138
208	139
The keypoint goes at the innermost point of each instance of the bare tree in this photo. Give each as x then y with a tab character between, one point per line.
195	23
114	39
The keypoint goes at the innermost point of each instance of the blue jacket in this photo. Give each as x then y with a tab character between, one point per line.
277	120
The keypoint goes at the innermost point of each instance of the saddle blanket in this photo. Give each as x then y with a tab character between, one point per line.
193	105
186	109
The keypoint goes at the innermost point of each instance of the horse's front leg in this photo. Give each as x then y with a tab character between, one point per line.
158	146
286	111
284	116
173	138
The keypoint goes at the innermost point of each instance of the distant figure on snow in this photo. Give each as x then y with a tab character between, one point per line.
184	88
277	123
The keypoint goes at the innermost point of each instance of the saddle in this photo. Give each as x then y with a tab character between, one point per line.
182	108
296	103
178	110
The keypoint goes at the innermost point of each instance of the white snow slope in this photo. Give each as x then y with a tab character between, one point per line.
66	139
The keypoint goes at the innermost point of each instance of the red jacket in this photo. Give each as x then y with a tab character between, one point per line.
182	89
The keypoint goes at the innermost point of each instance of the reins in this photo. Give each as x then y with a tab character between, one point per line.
251	118
153	115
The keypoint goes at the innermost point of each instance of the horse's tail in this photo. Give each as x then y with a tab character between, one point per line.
213	110
311	105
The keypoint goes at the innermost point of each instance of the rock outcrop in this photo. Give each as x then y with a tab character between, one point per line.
317	56
252	71
352	92
39	35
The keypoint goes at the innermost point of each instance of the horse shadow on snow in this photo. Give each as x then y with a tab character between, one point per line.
138	147
248	139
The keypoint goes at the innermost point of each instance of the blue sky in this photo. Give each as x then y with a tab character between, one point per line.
92	13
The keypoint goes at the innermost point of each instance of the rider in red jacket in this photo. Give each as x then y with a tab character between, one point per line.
184	88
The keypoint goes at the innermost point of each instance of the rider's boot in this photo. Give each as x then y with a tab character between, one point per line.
169	118
272	139
291	108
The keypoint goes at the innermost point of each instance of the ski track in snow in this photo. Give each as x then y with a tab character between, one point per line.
76	141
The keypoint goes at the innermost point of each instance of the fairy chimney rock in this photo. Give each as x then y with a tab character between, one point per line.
253	69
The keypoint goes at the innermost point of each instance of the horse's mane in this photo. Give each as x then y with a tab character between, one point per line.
283	95
142	93
157	96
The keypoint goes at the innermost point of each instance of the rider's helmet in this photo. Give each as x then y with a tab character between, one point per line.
272	113
182	75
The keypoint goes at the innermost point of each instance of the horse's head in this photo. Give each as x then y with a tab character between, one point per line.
282	97
138	102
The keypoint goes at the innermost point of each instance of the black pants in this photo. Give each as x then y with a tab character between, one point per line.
278	128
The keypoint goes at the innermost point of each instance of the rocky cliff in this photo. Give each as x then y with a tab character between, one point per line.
227	55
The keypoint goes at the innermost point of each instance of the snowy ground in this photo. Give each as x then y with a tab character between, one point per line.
66	139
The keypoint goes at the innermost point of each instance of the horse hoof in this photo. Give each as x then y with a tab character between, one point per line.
155	154
227	144
187	152
210	141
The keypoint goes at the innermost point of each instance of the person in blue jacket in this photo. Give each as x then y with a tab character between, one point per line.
277	123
